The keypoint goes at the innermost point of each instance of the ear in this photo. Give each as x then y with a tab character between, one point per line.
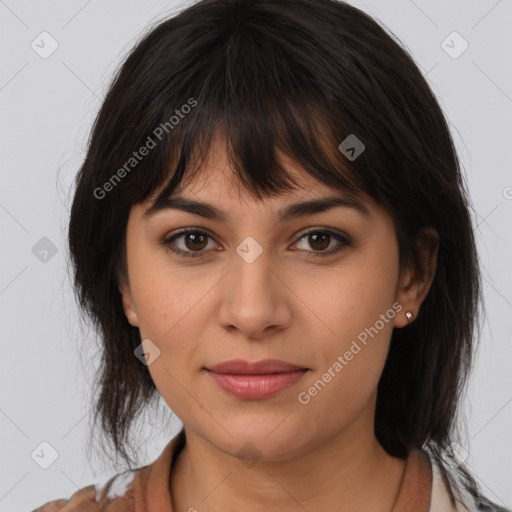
128	303
414	283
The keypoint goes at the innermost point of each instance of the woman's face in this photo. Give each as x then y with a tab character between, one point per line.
255	286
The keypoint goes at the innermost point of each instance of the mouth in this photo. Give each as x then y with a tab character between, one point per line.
257	380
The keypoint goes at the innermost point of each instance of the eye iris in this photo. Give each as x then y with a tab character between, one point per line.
194	238
321	239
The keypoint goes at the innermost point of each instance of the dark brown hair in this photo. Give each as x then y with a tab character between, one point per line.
299	76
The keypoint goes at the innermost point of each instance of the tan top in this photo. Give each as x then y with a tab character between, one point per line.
146	489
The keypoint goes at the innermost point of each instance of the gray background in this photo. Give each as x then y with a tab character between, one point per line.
47	109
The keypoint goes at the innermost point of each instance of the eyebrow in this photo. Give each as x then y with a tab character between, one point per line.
286	213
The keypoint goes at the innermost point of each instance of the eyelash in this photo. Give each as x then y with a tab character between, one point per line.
345	242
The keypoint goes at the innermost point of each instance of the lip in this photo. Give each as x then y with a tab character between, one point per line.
266	366
257	380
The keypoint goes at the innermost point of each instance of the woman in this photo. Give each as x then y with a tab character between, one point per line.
271	232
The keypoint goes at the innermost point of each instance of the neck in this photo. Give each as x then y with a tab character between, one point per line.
333	475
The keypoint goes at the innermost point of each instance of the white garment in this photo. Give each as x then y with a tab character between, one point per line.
440	499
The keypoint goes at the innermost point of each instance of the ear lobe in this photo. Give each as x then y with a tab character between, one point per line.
415	282
128	304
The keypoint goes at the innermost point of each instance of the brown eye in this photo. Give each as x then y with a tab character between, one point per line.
189	243
319	240
195	241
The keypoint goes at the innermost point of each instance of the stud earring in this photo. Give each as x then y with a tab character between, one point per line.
409	315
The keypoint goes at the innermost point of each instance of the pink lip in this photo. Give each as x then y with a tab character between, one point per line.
252	381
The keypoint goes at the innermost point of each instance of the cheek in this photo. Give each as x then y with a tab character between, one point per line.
172	315
351	298
174	307
353	310
169	299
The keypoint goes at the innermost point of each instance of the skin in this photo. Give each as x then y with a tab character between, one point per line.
322	455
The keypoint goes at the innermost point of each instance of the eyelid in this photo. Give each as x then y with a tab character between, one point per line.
344	240
169	239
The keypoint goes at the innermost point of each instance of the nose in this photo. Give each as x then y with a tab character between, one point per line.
255	299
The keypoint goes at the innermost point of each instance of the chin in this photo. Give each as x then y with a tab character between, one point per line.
258	440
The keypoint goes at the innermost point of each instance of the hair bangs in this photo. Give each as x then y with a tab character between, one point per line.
263	102
256	142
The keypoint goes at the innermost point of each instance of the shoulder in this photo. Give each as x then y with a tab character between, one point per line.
126	491
440	498
465	502
117	494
